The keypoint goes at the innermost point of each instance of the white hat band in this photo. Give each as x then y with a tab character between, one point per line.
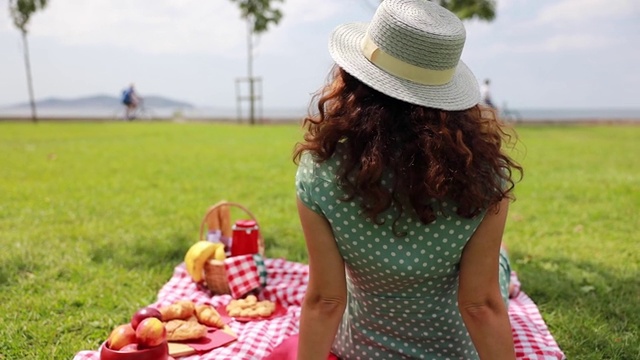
401	69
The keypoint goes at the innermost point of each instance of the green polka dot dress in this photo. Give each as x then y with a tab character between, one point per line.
402	291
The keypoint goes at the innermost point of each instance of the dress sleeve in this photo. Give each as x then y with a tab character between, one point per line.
306	183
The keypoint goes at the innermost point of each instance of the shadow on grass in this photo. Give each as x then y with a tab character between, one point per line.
15	268
592	311
144	254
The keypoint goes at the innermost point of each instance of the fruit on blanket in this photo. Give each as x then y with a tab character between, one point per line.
197	255
121	336
219	253
151	332
144	313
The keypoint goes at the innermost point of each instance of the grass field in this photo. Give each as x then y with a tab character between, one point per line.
95	216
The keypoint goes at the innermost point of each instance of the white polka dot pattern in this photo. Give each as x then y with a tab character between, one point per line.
402	289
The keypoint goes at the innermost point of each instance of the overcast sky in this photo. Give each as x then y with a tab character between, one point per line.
538	53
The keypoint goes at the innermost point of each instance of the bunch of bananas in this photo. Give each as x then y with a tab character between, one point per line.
198	254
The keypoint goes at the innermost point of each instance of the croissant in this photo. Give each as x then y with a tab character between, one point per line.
180	330
207	315
179	310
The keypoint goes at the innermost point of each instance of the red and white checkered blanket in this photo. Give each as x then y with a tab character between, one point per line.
287	282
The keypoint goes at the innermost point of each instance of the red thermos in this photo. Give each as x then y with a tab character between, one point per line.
245	238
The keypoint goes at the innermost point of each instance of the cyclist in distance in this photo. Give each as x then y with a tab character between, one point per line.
130	100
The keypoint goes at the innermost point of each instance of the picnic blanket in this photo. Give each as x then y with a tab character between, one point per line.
287	282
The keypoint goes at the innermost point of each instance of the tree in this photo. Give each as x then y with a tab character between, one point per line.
469	9
21	11
259	14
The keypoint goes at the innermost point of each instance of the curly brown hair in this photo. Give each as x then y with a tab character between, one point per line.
433	154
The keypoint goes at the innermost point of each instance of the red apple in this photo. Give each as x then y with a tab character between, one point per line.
151	332
144	313
121	336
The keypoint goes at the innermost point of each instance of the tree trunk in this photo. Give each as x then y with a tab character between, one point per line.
252	97
27	64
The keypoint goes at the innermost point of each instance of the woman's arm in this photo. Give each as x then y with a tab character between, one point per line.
479	298
325	299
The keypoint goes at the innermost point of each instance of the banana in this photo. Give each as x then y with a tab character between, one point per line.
219	253
197	255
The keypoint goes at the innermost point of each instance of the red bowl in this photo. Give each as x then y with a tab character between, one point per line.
160	352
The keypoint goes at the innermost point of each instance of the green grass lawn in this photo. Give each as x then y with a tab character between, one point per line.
95	216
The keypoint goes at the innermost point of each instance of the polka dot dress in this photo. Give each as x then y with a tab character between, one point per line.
402	291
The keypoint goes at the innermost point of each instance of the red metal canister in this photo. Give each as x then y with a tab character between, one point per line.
245	238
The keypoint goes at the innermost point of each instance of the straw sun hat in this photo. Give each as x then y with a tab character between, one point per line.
410	51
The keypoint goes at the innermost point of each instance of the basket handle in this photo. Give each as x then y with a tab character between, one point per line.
218	205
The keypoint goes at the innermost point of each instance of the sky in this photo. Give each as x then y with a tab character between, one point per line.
563	54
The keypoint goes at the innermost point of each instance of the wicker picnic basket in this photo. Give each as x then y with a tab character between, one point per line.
218	217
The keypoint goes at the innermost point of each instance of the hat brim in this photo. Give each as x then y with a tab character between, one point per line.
461	93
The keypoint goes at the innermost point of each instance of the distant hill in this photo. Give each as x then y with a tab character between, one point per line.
102	101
